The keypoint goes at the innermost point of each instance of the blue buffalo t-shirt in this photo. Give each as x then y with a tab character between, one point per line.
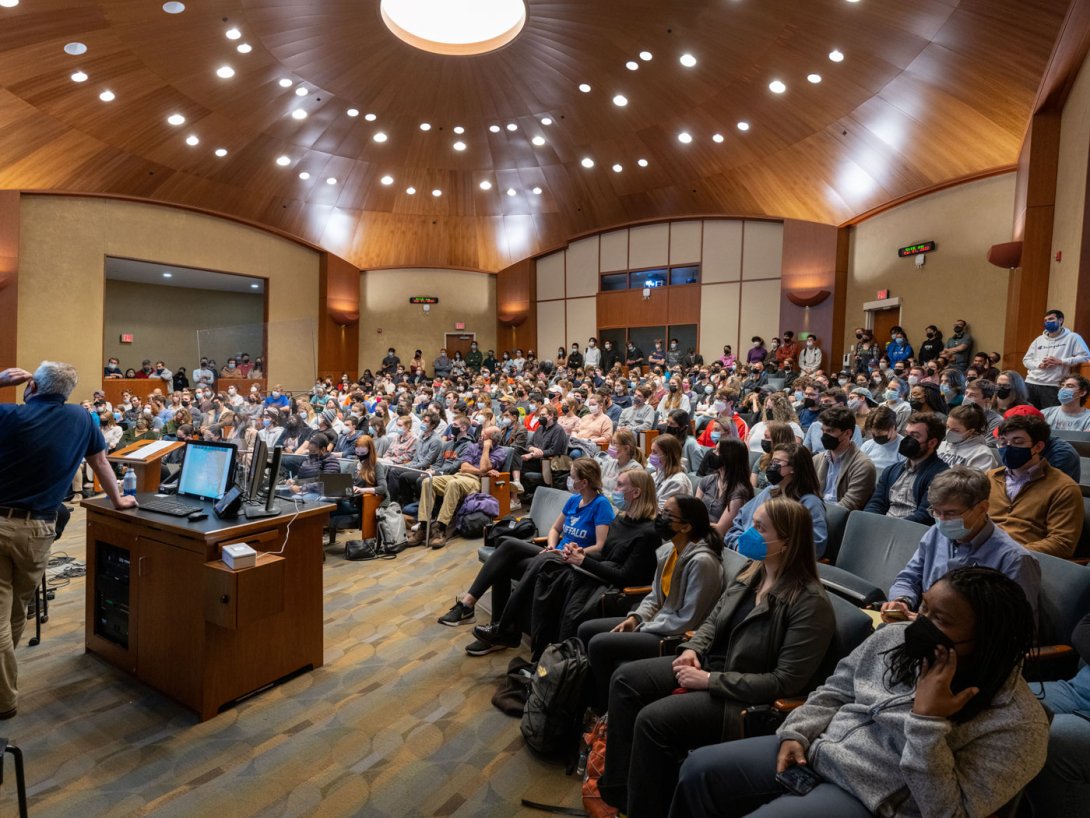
579	523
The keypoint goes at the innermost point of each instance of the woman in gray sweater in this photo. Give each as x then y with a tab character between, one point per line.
688	582
927	719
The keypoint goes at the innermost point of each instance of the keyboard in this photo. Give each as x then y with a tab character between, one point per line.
171	507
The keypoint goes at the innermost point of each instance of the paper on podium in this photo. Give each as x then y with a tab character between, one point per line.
147	451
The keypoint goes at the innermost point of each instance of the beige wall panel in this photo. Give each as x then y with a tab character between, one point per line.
165	322
582	320
718	319
64	242
685	242
957	281
760	312
762	250
582	268
614	252
550	275
550	328
1070	196
649	246
721	256
384	305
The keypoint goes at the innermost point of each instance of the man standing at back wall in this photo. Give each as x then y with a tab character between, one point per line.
1053	355
42	443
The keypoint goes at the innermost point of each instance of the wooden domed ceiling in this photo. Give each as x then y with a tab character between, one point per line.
928	91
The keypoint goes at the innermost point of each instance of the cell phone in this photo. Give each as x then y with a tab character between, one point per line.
798	779
895	615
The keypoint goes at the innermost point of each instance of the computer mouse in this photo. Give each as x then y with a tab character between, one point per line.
194	516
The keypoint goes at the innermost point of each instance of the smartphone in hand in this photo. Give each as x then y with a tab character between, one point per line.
798	779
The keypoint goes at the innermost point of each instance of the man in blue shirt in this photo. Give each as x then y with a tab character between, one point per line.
963	535
277	399
42	443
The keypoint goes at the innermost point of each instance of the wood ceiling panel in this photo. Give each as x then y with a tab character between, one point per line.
929	91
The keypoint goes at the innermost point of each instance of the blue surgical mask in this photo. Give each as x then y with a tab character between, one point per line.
1052	326
892	394
1066	395
752	544
953	529
619	501
715	436
947	390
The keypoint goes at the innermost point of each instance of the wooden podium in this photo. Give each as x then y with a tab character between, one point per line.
147	468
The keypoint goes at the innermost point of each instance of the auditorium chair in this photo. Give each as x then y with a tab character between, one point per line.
1064	600
875	548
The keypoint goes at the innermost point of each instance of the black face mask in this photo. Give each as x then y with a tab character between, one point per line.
922	638
881	440
766	446
664	527
671	430
859	336
1003	392
773	474
909	447
809	403
916	405
830	442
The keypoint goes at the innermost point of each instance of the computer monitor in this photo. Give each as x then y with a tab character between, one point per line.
259	459
208	469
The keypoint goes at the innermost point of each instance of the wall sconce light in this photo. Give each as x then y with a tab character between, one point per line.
807	299
343	317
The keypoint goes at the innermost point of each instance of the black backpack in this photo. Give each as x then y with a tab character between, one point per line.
521	528
551	719
472	525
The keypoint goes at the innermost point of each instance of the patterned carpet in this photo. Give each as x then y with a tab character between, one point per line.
397	723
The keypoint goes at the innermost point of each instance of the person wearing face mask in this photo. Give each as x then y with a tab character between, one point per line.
592	430
933	346
959	346
765	639
1010	391
277	399
756	352
952	386
929	718
657	357
620	398
668	468
370	477
901	490
688	581
270	429
583	523
1071	415
845	474
963	535
673	399
810	356
1034	502
611	356
926	398
640	416
592	358
403	447
547	441
882	442
981	393
964	443
894	397
624	453
112	369
402	482
829	399
726	489
634	358
674	354
1051	357
345	442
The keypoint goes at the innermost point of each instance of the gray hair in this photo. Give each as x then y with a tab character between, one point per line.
55	378
959	483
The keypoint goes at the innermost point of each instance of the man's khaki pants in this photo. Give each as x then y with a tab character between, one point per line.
24	553
453	487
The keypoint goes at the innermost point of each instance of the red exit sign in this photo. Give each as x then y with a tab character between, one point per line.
126	337
459	324
883	294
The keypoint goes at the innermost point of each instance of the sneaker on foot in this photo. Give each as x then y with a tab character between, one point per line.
481	648
516	504
517	486
493	635
459	614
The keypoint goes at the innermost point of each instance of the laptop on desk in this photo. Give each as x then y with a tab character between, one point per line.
335	485
208	470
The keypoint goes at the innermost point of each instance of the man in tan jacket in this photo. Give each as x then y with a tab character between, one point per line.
847	476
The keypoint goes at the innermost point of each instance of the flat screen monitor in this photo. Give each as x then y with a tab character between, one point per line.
208	469
259	459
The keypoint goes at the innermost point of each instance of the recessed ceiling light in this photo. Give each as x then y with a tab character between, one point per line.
107	96
332	180
353	112
620	100
285	82
584	88
814	78
641	162
536	191
538	140
173	7
717	137
510	191
75	49
304	175
688	60
244	48
437	193
546	121
387	180
586	162
777	87
458	129
411	191
632	65
379	136
836	55
283	161
255	286
221	152
79	76
370	117
743	126
176	119
301	91
192	140
494	128
298	113
618	167
233	34
685	137
225	72
459	146
168	275
485	185
645	56
511	126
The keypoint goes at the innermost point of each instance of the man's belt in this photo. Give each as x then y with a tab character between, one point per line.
27	514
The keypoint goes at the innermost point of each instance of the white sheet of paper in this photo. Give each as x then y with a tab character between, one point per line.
148	450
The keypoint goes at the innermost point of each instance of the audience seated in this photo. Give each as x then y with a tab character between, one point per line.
882	444
901	491
964	442
725	490
668	469
845	474
640	416
775	434
1071	415
624	453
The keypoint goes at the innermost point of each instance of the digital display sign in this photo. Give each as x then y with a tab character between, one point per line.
916	249
423	299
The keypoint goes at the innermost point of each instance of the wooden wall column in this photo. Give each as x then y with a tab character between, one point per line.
809	265
516	307
9	286
338	317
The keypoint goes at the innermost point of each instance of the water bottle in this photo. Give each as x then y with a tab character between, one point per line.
128	483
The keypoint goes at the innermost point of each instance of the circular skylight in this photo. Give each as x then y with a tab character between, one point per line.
457	27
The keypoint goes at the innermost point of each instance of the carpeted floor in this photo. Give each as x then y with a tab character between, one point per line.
397	723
